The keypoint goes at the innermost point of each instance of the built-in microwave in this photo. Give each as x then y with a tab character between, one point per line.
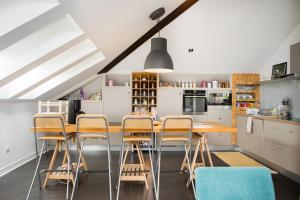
219	98
194	102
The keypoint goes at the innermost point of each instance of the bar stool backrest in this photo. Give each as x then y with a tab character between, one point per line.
177	123
92	121
42	120
137	123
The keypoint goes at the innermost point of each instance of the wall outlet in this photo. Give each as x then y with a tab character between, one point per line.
7	149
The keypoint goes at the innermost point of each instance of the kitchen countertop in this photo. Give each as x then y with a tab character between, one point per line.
271	118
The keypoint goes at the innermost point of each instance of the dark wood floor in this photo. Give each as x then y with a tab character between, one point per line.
95	186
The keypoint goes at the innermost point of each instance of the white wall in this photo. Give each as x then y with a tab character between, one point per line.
15	121
283	53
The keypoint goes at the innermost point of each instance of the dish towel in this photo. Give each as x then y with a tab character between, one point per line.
249	124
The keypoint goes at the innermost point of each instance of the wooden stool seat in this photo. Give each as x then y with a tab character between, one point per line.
174	138
54	137
92	136
136	138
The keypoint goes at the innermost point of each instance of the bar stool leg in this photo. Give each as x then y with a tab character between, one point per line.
158	170
152	171
36	151
142	165
120	170
68	168
36	170
109	169
77	168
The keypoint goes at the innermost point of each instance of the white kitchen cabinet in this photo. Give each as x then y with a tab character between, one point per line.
241	132
169	101
253	141
274	141
117	102
281	145
222	116
92	107
255	138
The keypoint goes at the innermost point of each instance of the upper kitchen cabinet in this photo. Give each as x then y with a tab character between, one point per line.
169	101
116	96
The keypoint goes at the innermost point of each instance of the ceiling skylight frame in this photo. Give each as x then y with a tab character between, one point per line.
37	45
65	76
20	12
47	69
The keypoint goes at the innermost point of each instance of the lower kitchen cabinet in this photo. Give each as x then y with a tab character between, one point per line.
253	141
277	142
242	133
281	145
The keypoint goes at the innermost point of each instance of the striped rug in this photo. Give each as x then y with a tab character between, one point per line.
237	159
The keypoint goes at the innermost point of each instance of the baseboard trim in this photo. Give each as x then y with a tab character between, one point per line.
9	168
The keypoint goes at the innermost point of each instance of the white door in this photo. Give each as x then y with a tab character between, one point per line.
117	102
169	101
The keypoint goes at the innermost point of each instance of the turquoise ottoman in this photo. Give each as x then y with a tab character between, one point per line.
234	183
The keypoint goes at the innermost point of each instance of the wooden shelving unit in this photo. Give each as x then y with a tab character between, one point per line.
245	94
144	90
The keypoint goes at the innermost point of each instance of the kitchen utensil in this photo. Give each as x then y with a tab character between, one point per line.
215	84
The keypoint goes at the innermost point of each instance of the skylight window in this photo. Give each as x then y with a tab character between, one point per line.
38	44
63	77
47	69
21	11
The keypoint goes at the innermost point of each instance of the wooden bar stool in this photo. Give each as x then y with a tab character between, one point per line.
86	123
142	127
176	124
52	121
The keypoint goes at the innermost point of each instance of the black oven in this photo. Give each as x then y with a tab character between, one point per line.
194	102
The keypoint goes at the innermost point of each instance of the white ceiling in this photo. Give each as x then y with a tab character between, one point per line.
226	35
21	11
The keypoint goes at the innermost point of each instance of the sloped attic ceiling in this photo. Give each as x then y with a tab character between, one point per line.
34	46
226	35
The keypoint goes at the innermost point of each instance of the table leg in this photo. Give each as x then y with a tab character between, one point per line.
52	162
207	151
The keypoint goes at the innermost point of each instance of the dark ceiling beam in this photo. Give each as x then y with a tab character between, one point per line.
164	22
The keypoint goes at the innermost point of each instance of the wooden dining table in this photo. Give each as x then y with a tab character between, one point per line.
199	129
203	127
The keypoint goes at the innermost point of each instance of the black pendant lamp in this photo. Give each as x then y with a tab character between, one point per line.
158	60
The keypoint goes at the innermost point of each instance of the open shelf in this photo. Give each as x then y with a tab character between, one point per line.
144	90
244	85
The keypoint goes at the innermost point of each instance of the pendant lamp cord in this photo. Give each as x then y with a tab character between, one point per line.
158	29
